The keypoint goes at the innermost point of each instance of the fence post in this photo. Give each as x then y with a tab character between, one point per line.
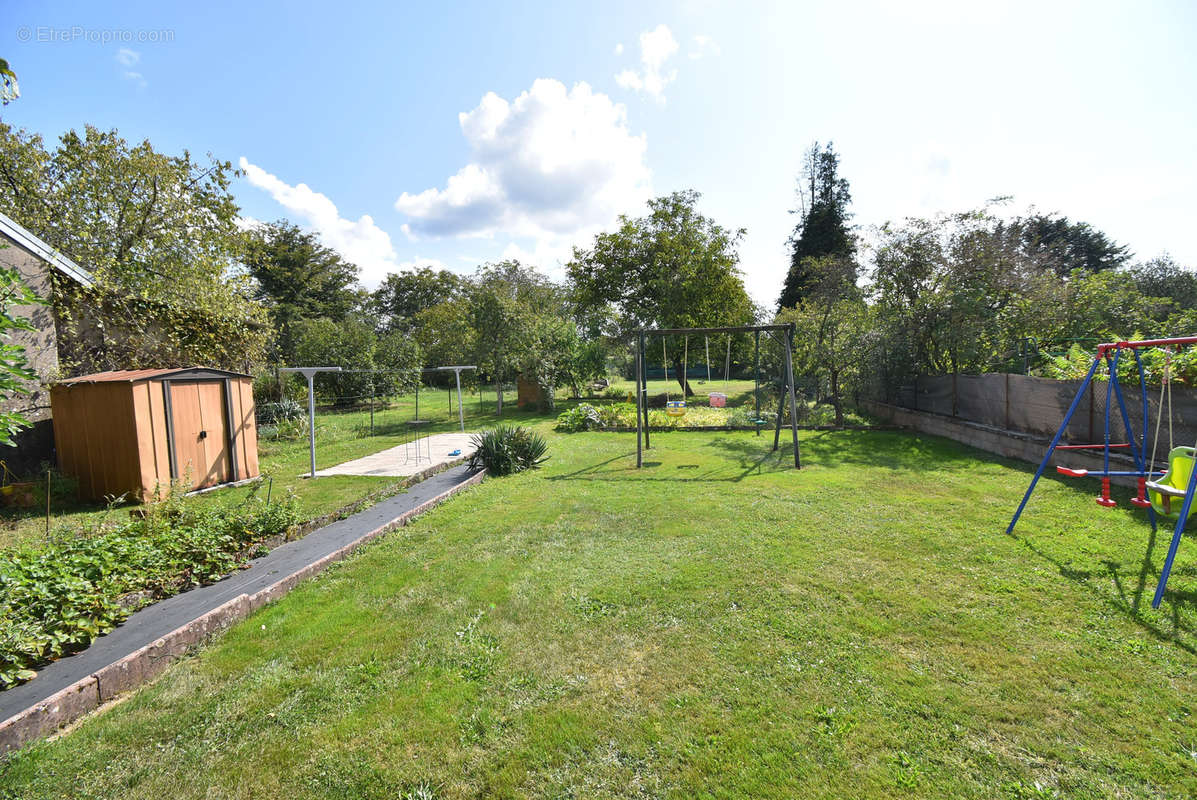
1007	398
1090	412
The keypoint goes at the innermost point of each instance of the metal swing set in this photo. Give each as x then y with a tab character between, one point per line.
676	408
1156	489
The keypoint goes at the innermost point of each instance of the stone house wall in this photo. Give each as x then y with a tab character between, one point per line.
41	344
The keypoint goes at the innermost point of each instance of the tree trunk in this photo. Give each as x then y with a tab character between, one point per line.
836	402
499	393
682	380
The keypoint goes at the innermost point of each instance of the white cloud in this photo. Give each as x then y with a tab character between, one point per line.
704	46
656	47
553	166
619	49
244	222
128	59
359	242
413	264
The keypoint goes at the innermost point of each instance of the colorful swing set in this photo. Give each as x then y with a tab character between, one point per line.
1157	489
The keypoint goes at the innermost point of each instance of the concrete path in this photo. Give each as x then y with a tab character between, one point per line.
141	646
401	460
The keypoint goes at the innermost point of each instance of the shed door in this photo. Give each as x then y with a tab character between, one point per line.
200	433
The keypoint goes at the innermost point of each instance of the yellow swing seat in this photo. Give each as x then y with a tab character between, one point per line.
676	408
1174	482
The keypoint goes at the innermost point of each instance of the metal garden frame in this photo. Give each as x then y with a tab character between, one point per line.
642	432
1139	453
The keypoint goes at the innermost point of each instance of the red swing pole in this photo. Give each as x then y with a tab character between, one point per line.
1104	498
1102	349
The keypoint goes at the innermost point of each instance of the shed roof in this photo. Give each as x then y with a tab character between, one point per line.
135	375
22	236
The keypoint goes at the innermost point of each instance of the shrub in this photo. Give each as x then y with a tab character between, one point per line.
289	430
616	393
582	417
283	410
508	449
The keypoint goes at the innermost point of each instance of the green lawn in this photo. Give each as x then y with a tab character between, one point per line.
715	625
340	436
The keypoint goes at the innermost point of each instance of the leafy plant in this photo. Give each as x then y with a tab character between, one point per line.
284	410
582	417
508	449
14	366
57	599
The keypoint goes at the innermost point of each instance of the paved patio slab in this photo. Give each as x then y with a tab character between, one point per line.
401	460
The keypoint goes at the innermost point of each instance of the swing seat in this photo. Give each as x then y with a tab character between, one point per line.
718	400
676	408
1174	483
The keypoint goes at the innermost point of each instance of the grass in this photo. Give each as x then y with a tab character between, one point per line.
340	436
714	625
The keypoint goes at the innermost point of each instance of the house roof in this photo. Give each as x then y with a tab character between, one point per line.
23	237
135	375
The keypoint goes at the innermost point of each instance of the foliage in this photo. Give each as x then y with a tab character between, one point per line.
1163	277
403	296
582	417
399	359
823	229
285	409
831	340
158	232
446	336
1179	367
512	308
15	374
1064	246
587	362
349	344
58	598
552	355
507	449
9	90
617	393
297	278
286	429
673	268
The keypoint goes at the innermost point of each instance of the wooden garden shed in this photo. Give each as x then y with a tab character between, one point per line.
135	431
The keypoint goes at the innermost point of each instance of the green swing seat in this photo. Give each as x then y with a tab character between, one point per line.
1174	483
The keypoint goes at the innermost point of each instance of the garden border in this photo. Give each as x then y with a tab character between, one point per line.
142	665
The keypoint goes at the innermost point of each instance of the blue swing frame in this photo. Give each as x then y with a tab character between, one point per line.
1138	450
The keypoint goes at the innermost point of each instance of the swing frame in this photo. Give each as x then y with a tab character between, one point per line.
1109	353
787	329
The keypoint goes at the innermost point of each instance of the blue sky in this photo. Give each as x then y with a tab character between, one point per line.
455	133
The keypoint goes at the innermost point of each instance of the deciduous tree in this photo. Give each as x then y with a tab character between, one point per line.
403	295
159	234
673	268
296	277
